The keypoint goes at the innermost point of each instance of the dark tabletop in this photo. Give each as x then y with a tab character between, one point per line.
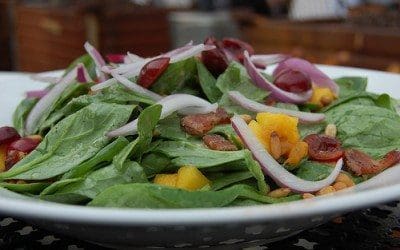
374	228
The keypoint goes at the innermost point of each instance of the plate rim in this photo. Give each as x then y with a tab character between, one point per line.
338	203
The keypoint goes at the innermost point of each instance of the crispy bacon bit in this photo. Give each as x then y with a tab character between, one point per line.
361	163
323	147
217	142
202	123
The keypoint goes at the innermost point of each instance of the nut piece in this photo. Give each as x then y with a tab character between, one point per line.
345	179
279	193
331	130
276	148
326	190
308	196
339	186
246	118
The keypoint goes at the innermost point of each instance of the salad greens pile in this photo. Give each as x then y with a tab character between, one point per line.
76	163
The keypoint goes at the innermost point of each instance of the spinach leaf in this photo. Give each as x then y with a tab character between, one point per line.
30	188
54	187
364	98
170	128
87	60
21	113
221	180
228	132
371	129
98	181
207	83
313	171
155	163
71	142
236	78
156	196
307	129
106	154
177	76
351	85
256	171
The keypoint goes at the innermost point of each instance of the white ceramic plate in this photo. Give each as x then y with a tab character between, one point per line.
194	227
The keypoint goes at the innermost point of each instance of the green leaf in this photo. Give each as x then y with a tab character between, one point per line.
155	163
221	180
71	142
155	196
208	83
313	171
256	171
30	188
21	113
170	128
351	84
106	154
236	78
177	76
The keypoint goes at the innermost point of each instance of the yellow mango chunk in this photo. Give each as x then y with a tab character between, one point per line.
322	96
190	178
297	153
285	126
261	135
166	179
3	154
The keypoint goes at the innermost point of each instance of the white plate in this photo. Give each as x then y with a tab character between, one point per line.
192	227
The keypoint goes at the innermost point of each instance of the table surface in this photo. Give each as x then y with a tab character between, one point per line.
373	228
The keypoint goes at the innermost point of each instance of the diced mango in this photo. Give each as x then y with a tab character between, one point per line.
3	155
190	178
285	126
261	135
298	152
322	96
166	179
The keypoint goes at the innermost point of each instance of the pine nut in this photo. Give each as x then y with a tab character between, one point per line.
339	186
331	130
276	149
246	118
279	193
308	196
326	190
345	179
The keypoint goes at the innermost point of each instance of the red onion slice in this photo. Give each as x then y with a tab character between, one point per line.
37	93
304	117
317	76
136	88
97	58
276	92
169	104
43	104
82	75
273	169
47	79
131	58
262	61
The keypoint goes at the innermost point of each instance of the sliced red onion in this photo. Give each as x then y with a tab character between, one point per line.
276	92
131	58
317	76
115	58
106	69
43	104
304	117
273	169
37	93
262	61
193	51
82	75
136	88
169	104
97	58
42	78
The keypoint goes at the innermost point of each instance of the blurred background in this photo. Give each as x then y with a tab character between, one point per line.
46	35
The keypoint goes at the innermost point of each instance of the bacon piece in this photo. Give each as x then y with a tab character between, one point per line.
361	163
200	124
217	142
323	147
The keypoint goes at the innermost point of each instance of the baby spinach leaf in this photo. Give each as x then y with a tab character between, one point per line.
155	163
170	128
221	180
207	83
236	78
350	85
313	171
156	196
100	180
106	154
256	171
31	188
371	129
21	113
307	129
177	76
71	142
54	187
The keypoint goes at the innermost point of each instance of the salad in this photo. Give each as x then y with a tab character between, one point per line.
202	125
